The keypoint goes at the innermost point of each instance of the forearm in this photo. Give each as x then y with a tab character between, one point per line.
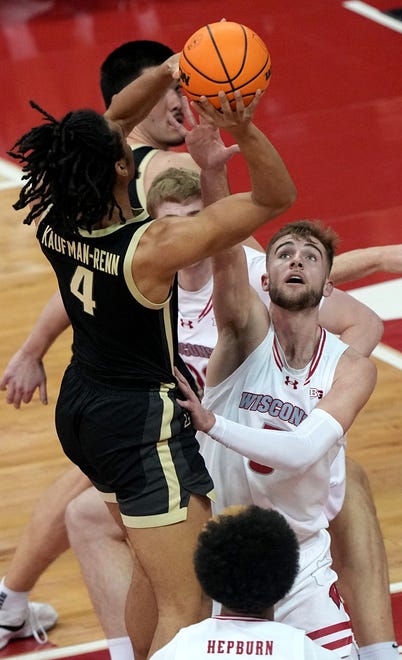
272	185
356	264
52	321
214	184
283	450
134	102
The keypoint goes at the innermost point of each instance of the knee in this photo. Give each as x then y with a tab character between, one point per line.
356	474
86	516
358	490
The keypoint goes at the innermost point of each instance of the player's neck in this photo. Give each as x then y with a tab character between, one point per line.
195	277
266	614
123	201
297	333
140	136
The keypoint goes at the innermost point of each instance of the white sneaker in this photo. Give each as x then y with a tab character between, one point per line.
30	622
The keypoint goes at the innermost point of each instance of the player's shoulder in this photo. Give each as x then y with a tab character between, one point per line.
163	159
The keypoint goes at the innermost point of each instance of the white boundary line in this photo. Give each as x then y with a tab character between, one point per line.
390	356
395	588
11	174
373	14
63	652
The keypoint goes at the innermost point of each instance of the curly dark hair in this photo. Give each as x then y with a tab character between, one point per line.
247	561
69	169
127	62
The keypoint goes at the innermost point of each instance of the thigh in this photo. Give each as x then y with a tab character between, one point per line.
314	603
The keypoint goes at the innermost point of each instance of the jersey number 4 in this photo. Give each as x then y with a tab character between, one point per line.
81	286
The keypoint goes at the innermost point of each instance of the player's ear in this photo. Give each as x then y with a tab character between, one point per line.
328	288
122	167
265	282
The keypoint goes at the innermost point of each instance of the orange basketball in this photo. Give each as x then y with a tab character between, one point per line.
224	56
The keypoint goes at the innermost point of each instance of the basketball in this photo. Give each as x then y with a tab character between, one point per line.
224	56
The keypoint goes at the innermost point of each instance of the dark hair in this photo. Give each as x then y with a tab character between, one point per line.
69	169
127	62
247	561
305	229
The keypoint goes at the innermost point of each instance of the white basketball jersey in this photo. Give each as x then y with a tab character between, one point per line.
219	637
264	392
197	331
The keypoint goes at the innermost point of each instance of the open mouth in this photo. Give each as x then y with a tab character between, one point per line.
295	279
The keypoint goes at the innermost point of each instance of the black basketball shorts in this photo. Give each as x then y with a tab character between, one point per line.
138	447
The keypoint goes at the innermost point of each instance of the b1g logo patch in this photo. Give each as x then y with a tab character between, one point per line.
315	393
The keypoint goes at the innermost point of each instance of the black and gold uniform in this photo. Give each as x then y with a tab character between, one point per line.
142	154
117	415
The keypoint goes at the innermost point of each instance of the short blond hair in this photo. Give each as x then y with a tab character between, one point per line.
176	184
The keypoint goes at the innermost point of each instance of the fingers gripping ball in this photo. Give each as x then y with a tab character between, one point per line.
224	56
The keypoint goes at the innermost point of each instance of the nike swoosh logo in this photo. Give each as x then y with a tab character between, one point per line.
13	628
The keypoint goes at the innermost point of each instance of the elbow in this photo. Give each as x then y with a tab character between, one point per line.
379	329
288	198
300	467
376	332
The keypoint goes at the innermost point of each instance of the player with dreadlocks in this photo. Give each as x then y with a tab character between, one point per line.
117	416
55	155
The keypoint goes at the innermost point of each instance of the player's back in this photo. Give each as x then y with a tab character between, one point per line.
119	336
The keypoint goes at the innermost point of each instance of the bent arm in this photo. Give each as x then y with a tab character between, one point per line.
228	221
353	384
355	323
282	450
134	102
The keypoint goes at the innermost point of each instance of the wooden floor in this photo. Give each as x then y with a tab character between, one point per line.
32	458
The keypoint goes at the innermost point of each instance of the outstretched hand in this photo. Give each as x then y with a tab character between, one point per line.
203	140
203	419
22	376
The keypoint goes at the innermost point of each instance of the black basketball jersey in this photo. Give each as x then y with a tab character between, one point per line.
142	154
119	336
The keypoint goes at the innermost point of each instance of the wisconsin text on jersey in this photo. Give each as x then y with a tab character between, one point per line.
264	403
107	262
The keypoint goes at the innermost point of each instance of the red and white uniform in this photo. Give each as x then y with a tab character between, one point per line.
264	392
198	335
237	637
196	322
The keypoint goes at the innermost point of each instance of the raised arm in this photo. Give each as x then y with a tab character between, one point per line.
227	222
134	102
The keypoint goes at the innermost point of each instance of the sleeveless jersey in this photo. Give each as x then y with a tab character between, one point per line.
224	636
142	155
264	392
137	347
196	322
